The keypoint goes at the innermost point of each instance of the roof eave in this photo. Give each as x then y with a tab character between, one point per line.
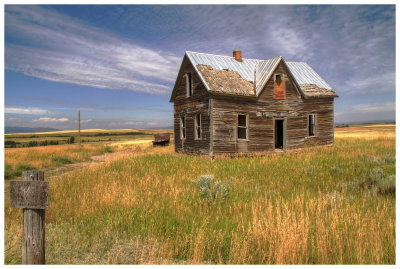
232	95
320	96
177	80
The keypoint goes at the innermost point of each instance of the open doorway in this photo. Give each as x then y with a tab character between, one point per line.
279	134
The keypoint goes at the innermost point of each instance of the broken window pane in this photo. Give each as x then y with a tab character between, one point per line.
242	127
183	128
242	120
189	90
242	133
198	126
311	125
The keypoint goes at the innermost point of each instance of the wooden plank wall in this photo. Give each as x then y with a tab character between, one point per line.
189	107
261	113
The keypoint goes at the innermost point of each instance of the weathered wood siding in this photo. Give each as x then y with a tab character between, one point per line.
262	112
189	107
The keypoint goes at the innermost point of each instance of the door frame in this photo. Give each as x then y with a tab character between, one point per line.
283	130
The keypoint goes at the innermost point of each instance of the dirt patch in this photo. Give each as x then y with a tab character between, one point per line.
111	156
96	160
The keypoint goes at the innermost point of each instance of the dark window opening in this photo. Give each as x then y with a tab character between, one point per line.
183	127
242	127
189	89
311	125
197	126
279	134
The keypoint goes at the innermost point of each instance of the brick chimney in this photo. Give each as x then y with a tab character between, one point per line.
238	55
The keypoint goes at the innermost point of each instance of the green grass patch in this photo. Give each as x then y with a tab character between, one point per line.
314	206
60	160
12	171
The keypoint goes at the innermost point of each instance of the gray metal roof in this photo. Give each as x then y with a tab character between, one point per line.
257	71
304	74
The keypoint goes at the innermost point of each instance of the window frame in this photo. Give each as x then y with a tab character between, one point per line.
189	84
182	128
246	127
315	125
282	75
197	127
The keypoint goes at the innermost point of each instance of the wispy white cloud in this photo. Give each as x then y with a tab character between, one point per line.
152	123
374	84
365	112
70	51
25	110
374	108
47	119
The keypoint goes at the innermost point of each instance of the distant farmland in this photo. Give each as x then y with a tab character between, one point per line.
87	136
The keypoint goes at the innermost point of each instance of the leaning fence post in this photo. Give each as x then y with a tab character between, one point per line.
32	195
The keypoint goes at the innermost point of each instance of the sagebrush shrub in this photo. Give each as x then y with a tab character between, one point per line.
389	158
211	190
379	183
335	169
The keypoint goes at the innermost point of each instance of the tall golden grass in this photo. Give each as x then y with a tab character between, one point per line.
295	208
17	160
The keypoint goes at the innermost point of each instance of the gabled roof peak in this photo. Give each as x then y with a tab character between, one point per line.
256	72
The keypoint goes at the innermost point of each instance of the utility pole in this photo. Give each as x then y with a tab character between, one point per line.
79	130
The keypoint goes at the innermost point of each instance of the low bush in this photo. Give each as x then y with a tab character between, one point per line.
10	144
211	191
11	171
390	159
44	143
107	149
61	160
32	144
377	183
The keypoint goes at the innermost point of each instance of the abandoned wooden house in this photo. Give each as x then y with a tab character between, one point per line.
226	104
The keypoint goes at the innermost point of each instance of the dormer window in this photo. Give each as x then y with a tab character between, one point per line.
189	85
279	86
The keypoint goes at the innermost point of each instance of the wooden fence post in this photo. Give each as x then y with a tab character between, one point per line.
32	195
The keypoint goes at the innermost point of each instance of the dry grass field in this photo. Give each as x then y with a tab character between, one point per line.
367	131
326	205
87	136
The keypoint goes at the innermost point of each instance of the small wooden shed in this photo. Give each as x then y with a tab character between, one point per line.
226	104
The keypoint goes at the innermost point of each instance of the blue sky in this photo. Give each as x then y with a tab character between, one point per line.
118	64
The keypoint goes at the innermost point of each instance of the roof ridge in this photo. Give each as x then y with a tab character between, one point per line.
297	62
222	55
279	56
